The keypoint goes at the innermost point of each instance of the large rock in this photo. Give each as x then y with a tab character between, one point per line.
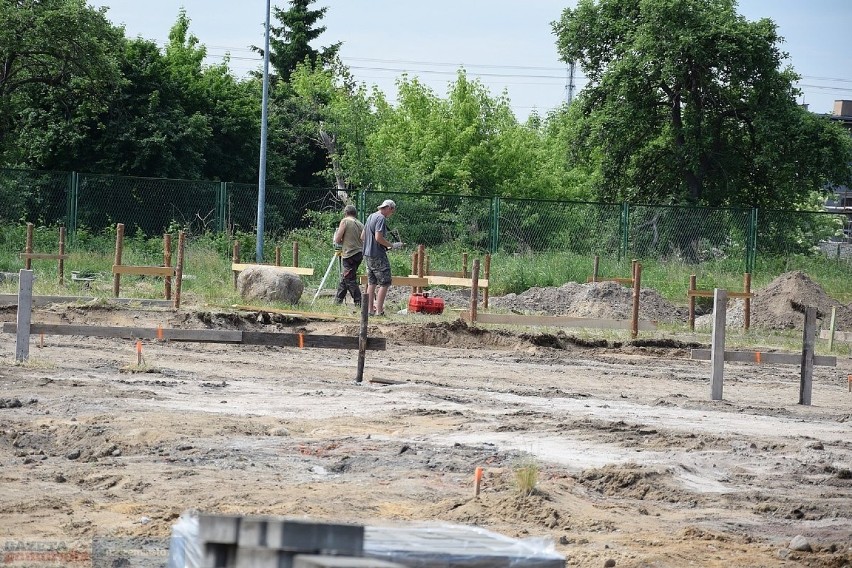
270	283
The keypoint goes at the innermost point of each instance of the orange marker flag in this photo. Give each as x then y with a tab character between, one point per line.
477	479
138	352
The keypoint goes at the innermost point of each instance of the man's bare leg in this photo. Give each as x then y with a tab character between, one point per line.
371	298
380	298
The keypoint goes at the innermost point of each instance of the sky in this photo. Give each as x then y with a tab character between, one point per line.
507	44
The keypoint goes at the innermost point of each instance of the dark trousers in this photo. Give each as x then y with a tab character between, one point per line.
349	279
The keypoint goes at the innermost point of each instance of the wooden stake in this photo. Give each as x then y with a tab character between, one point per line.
179	267
25	309
167	261
28	248
278	255
717	345
809	334
637	289
295	253
235	259
474	291
831	328
119	246
362	340
691	302
477	480
138	353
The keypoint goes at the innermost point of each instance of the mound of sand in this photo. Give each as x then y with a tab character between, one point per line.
780	305
606	300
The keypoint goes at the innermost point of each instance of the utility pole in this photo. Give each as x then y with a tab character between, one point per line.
261	182
569	83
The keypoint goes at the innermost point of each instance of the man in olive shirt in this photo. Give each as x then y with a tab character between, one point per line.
348	237
376	245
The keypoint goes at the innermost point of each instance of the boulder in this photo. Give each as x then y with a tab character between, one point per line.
270	283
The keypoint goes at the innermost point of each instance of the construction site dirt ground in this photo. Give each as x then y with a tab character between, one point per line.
635	463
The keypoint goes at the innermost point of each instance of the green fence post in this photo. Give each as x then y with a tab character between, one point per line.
221	200
495	224
751	247
361	199
71	199
624	223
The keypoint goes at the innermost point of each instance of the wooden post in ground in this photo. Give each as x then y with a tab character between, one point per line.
362	341
691	302
747	300
414	265
28	248
806	382
421	263
167	261
295	253
717	346
637	290
179	268
474	291
61	256
25	310
119	247
235	258
595	267
831	328
487	277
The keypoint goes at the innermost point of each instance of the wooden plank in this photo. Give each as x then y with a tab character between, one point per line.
195	335
309	340
44	256
450	281
318	316
12	300
143	270
557	321
709	294
625	281
764	357
404	281
838	335
298	270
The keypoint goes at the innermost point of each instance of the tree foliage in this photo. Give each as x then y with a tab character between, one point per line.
57	59
687	101
290	42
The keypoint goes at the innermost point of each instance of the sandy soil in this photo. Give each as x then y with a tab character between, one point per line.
636	464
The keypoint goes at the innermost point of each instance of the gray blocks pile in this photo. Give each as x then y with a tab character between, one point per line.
268	542
225	541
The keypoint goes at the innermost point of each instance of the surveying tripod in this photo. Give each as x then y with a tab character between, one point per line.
337	259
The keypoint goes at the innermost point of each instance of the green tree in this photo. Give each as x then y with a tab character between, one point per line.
58	64
689	102
290	42
176	117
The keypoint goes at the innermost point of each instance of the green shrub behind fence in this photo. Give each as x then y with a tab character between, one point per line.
90	204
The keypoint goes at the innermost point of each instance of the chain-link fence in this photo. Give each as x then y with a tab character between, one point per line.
151	207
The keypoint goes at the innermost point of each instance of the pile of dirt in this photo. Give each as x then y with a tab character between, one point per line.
604	300
782	303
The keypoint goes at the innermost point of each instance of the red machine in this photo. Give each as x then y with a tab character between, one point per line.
424	304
